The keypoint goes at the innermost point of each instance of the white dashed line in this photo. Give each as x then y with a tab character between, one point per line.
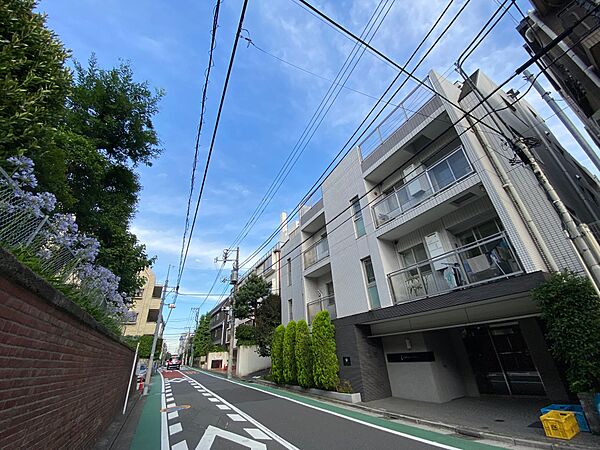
175	429
169	405
172	415
206	394
236	417
212	399
223	407
257	434
180	446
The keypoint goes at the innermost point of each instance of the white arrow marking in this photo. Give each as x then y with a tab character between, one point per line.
212	432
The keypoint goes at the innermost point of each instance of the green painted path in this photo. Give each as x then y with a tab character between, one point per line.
147	433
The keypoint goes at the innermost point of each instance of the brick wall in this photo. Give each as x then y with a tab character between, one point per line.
63	376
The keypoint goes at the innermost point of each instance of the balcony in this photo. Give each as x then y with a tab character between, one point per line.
480	262
316	252
428	183
323	304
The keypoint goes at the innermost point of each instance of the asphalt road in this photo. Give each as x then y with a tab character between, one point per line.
213	413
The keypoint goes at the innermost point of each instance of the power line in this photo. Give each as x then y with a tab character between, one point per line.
314	122
212	142
199	132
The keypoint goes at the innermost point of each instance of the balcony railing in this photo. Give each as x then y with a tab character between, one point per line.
323	304
434	179
482	261
316	253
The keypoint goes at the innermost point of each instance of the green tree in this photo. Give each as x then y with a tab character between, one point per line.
202	337
277	354
146	346
268	316
248	297
571	312
304	355
34	83
245	335
289	353
325	362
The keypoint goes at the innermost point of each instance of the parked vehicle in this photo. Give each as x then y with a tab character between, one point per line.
173	363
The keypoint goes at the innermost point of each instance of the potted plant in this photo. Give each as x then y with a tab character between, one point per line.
571	310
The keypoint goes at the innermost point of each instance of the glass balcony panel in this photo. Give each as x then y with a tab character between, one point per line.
414	192
322	304
484	260
316	252
459	164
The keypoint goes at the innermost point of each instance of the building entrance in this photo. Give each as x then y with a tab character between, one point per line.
501	361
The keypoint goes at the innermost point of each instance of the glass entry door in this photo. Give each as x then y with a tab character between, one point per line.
501	361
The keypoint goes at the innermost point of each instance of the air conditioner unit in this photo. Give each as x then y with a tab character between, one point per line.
415	185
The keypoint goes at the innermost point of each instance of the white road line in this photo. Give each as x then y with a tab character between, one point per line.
223	407
257	434
175	429
212	399
164	435
352	419
253	421
236	417
206	394
169	405
172	415
180	446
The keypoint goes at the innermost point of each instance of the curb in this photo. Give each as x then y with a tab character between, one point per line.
465	431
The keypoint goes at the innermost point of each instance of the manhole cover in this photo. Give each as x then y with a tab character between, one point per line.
175	408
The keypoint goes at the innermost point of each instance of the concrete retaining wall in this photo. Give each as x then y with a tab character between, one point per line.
248	361
63	377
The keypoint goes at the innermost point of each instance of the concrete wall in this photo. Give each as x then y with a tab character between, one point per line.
213	356
63	377
248	361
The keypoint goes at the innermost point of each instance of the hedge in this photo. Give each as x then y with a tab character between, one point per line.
289	353
304	355
325	362
245	335
277	354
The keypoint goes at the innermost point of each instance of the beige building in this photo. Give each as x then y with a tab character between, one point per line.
145	308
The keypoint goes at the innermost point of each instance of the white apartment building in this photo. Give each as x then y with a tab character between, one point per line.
425	258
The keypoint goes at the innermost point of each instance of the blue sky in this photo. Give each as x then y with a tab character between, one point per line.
268	103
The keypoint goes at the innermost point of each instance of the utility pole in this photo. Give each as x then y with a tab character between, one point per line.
577	135
156	332
192	336
584	246
233	280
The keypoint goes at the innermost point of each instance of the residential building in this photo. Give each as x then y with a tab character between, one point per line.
146	307
426	243
218	322
572	66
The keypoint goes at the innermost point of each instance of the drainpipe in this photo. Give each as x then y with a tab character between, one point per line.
507	184
564	47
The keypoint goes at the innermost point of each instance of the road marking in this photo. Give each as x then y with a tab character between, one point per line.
212	432
212	399
223	407
175	429
257	434
169	397
333	413
206	394
180	446
236	417
169	405
252	420
172	415
164	436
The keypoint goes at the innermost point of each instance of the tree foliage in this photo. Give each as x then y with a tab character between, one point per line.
268	316
277	354
146	346
202	337
289	353
304	355
248	297
245	335
571	312
86	134
325	362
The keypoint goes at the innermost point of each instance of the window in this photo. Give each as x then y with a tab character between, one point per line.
290	311
152	315
289	271
157	292
449	170
371	284
359	223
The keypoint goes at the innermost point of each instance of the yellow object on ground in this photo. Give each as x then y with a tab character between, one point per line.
560	424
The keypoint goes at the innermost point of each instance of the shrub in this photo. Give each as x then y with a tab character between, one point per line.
245	335
304	355
325	362
289	353
344	387
571	311
277	354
